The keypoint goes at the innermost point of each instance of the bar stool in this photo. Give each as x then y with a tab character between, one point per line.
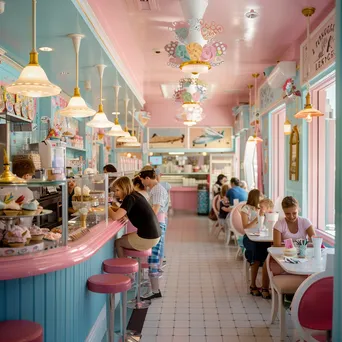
19	331
112	284
122	266
144	282
138	303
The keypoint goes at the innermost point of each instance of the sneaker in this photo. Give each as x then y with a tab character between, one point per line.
152	295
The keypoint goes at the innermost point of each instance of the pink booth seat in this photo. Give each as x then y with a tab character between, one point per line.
20	331
120	266
137	254
109	283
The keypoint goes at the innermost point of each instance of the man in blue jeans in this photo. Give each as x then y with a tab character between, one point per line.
236	192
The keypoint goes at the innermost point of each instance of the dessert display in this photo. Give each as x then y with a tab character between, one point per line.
16	237
52	236
12	209
78	194
30	208
290	250
56	230
36	233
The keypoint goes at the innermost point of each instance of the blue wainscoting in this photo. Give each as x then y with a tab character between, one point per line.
59	301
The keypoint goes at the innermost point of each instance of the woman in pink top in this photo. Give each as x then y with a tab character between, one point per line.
292	226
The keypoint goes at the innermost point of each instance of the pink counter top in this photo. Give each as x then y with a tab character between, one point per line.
184	188
59	258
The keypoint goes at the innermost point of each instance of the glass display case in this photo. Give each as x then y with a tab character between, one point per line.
20	215
22	228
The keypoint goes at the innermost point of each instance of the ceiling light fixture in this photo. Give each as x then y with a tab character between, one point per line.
33	81
256	110
77	107
100	119
127	137
252	14
45	49
308	112
287	127
194	49
116	130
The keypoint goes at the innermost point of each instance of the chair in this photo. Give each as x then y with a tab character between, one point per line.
312	305
235	225
281	283
217	227
21	331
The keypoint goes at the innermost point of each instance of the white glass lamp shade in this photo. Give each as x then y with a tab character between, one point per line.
195	67
287	127
132	144
100	120
77	107
308	110
189	123
33	82
116	130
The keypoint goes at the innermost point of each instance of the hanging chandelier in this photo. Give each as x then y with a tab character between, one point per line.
190	116
128	138
194	49
33	81
100	119
116	130
77	107
191	92
308	112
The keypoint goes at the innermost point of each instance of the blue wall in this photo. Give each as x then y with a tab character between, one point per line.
59	301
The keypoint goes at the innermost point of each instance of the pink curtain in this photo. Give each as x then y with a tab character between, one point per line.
260	167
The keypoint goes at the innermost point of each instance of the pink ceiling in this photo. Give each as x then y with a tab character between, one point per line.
275	34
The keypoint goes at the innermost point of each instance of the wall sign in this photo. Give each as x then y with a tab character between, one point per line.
322	50
269	97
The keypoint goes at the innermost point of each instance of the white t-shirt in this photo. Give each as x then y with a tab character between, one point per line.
303	225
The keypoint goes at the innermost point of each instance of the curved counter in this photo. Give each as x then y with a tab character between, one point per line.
59	258
50	287
184	198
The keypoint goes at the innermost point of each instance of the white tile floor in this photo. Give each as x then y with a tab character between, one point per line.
204	295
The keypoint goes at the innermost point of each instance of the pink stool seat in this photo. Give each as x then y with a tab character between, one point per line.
109	283
137	254
20	331
120	266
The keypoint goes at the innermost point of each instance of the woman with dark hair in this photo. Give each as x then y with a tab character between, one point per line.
109	168
139	187
221	179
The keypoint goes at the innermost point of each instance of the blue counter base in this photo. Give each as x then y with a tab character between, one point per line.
59	301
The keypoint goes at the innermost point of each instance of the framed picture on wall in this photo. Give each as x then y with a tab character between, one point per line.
294	154
211	137
167	137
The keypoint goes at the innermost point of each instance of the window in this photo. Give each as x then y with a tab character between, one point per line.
278	118
322	160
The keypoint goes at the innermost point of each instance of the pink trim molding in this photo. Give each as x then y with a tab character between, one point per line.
59	258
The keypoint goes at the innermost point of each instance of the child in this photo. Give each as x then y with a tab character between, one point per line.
256	252
266	206
224	207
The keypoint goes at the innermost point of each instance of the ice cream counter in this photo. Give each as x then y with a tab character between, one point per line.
184	198
49	287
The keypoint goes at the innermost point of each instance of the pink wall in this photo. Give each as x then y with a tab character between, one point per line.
163	114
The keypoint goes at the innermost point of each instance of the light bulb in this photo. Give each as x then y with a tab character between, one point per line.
308	118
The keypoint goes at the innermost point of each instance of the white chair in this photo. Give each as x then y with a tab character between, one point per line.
312	305
217	226
281	283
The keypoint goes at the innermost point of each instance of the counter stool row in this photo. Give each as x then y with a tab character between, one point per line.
116	281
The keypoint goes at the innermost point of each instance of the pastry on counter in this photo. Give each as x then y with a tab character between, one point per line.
52	236
78	194
36	233
30	208
16	237
12	209
56	230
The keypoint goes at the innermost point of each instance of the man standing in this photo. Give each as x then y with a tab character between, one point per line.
159	202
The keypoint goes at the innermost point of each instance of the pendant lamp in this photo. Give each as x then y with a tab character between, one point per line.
116	130
308	112
77	107
134	144
127	137
132	138
100	119
256	114
287	127
33	81
250	86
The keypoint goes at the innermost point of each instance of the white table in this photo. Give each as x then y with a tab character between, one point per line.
263	236
308	267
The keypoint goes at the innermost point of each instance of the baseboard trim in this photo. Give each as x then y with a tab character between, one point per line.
99	329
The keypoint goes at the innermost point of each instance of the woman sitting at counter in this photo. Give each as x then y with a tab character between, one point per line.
139	187
291	226
143	218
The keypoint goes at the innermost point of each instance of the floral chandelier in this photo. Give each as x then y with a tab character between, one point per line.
191	92
190	116
195	50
